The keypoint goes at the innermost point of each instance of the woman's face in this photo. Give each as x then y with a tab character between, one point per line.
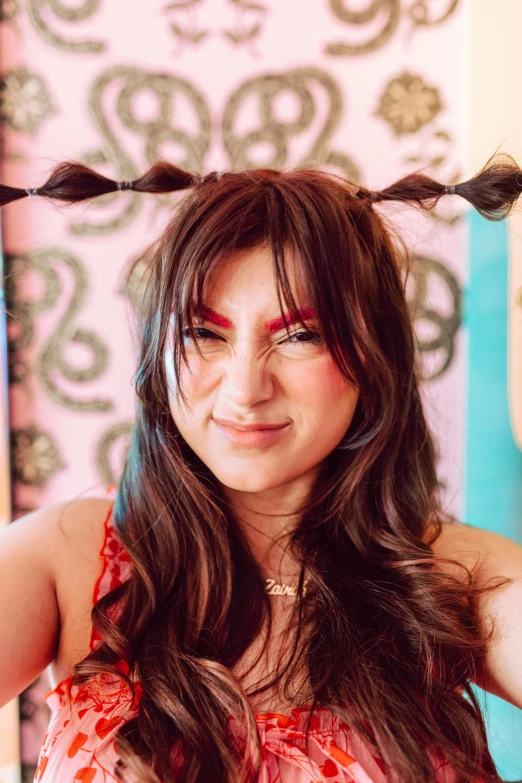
263	408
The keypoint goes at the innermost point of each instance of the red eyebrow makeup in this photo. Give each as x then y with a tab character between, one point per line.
271	326
289	318
215	318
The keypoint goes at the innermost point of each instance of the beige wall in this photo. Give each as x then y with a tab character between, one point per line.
494	118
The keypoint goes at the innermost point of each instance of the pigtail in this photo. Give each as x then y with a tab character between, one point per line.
493	192
8	194
495	189
73	182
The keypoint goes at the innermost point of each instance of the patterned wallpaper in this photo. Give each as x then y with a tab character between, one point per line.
371	89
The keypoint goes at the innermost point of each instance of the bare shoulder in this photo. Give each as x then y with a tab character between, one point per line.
485	553
66	539
78	537
492	558
49	562
78	528
51	536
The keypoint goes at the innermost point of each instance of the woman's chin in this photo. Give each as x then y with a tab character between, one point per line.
249	482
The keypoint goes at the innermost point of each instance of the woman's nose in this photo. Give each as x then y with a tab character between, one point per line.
246	379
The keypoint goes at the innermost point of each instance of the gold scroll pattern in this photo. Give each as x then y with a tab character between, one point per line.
381	18
386	12
51	362
303	84
110	452
39	10
428	274
422	14
155	134
137	276
243	29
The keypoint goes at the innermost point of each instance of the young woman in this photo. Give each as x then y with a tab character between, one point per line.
278	593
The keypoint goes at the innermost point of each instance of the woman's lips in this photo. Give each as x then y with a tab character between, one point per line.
251	438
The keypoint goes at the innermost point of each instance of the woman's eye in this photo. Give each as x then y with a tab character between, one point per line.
203	335
200	333
304	337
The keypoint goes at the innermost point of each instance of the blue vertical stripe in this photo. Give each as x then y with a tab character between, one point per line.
493	485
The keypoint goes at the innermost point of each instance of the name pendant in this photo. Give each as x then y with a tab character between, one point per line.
273	588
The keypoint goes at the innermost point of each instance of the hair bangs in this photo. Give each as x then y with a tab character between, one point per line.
327	250
261	221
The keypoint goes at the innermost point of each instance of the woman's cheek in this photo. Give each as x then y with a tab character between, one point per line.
319	379
199	375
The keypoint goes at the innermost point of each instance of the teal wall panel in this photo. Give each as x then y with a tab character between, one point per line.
493	462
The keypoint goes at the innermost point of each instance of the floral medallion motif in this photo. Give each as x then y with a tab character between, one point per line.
408	104
25	101
35	456
8	10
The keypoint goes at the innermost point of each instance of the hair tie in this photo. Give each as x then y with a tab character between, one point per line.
124	185
32	192
450	190
366	195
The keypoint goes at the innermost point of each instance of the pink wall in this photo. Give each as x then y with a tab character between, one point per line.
120	84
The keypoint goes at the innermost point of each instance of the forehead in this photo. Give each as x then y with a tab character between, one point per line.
248	279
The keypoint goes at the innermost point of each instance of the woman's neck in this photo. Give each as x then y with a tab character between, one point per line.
267	520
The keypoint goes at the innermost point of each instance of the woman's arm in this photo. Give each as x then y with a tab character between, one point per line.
29	615
491	555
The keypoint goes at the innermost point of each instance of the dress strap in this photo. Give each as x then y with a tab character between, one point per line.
115	569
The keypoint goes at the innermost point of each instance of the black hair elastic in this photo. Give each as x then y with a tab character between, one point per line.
32	192
370	196
124	185
450	190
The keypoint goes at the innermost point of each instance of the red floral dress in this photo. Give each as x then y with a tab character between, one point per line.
79	744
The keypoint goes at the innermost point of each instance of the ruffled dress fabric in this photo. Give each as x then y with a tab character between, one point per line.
79	746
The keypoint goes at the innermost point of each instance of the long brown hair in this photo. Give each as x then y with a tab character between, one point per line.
389	641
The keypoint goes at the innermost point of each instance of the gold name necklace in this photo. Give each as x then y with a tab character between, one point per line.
274	588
